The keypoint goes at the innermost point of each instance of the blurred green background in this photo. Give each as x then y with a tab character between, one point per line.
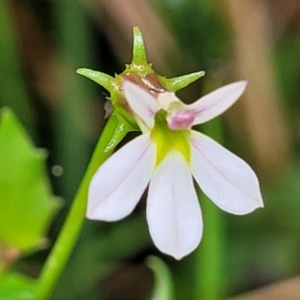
43	42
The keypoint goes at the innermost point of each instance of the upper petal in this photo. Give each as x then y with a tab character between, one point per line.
173	210
142	103
225	178
216	102
119	183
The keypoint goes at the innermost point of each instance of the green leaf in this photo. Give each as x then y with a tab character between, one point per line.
163	286
177	83
15	286
26	202
121	130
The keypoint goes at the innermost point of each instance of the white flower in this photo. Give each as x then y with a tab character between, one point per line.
167	155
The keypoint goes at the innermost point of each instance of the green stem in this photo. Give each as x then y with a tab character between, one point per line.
209	277
72	227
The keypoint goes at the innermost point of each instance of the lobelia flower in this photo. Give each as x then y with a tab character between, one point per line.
167	156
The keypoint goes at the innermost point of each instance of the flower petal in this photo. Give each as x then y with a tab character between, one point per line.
173	210
225	178
142	103
216	102
120	182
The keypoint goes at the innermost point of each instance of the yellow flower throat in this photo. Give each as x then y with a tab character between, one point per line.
166	139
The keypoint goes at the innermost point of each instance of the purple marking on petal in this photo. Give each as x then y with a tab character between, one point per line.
181	120
150	111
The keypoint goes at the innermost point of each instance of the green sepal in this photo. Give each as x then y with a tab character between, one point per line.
27	205
103	79
120	132
178	83
139	56
126	122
